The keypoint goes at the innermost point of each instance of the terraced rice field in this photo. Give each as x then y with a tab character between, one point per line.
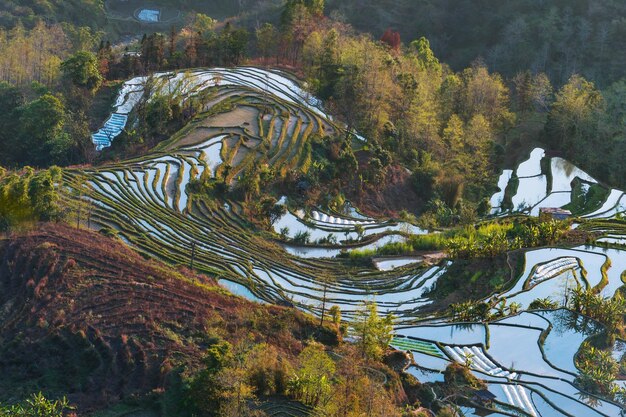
529	188
316	251
146	203
285	408
527	361
550	272
338	228
295	108
266	118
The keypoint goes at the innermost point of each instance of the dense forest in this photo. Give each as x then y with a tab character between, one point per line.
73	12
558	38
450	127
555	37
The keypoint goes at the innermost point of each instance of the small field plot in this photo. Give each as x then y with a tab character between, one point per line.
532	166
148	15
550	272
568	332
144	11
167	11
535	185
526	361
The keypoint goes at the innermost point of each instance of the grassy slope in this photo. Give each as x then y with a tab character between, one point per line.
83	315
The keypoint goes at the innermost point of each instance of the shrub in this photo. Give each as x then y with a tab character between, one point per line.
543	304
37	406
267	372
302	237
459	376
598	370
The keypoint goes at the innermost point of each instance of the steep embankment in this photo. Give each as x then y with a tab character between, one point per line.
83	315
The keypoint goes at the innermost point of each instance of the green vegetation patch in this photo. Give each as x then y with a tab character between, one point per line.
469	279
587	197
416	346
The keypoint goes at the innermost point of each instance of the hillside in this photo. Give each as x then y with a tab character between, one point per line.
83	315
506	279
27	12
559	37
272	209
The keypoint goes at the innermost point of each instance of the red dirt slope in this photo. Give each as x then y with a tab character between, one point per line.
85	316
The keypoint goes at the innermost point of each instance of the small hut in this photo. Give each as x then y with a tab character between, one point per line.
555	213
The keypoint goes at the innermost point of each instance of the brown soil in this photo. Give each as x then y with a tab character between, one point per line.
388	199
196	136
83	315
240	116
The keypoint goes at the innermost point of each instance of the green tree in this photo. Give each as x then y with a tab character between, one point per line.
236	395
312	381
313	7
203	389
158	113
425	55
609	157
11	99
204	26
233	43
574	116
29	197
469	311
83	38
543	304
335	315
598	371
454	134
267	370
267	40
532	91
374	332
153	51
487	95
82	69
41	131
608	311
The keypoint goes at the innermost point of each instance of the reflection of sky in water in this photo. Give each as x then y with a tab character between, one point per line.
530	191
555	288
618	265
619	350
568	332
531	166
239	290
564	172
425	376
516	348
496	199
149	15
429	362
512	344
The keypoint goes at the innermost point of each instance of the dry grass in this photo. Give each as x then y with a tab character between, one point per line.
84	315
